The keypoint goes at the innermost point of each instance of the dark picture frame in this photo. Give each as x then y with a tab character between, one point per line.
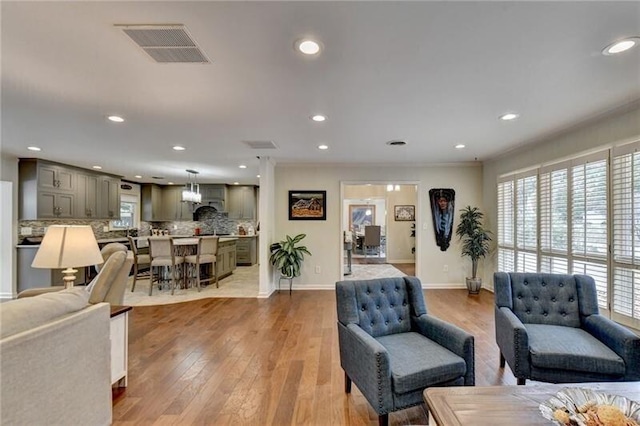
404	213
307	205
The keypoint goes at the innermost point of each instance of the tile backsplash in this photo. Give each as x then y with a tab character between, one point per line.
208	224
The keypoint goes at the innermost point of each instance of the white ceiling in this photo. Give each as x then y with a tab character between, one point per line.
432	73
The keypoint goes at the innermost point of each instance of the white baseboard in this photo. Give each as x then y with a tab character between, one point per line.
401	261
6	296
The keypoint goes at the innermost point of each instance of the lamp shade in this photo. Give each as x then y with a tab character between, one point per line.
67	246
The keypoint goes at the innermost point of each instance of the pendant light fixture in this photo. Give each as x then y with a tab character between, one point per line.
191	191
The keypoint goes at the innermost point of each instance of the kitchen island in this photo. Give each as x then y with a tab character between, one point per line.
29	277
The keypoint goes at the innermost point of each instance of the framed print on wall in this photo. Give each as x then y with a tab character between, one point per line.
307	205
404	213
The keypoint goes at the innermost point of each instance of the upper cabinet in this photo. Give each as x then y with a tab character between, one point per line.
54	191
109	201
151	197
172	206
241	202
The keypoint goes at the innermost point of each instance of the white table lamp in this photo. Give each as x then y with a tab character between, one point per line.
68	246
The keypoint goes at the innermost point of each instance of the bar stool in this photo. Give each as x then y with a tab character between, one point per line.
162	254
207	253
138	259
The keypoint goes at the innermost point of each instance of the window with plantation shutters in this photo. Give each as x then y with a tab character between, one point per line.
526	213
625	212
505	237
589	220
554	220
581	216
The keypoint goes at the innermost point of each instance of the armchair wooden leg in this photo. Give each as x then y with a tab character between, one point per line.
502	360
383	420
521	382
347	383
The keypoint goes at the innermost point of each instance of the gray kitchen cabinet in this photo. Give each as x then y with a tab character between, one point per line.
52	177
241	203
109	197
226	258
87	200
48	190
55	205
172	206
151	198
246	250
211	192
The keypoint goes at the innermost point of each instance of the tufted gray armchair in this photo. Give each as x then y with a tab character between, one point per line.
548	328
391	348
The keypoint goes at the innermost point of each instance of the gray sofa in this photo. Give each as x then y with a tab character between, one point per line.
548	328
392	349
55	360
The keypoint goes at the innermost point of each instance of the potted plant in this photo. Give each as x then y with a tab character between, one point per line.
287	258
475	243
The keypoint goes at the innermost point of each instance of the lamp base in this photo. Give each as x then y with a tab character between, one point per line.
69	277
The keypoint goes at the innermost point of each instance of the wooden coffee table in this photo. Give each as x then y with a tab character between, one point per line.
504	405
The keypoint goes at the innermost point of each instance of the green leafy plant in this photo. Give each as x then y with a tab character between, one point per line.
287	257
475	239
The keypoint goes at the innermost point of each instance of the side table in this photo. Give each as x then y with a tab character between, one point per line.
119	344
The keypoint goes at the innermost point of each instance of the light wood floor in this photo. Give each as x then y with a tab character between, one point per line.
268	361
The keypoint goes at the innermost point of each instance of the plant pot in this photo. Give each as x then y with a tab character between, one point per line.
474	285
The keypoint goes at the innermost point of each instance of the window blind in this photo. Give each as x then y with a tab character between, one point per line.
527	213
625	211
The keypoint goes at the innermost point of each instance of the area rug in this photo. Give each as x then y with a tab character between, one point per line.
242	283
367	272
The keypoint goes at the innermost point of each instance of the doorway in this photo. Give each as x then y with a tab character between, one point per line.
378	222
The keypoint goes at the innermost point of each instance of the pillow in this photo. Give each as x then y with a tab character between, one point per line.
30	312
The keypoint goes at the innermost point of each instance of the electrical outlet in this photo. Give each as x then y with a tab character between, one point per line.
25	230
445	268
175	227
317	269
105	229
425	226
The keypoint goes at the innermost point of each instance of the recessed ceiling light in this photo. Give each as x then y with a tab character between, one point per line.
169	183
258	176
242	166
509	116
460	146
236	183
138	177
308	47
323	147
621	46
97	167
397	143
33	148
179	148
319	118
115	118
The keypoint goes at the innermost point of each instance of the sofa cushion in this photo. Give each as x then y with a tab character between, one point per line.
30	312
417	362
569	348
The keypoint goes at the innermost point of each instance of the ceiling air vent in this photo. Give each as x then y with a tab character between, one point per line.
261	144
165	43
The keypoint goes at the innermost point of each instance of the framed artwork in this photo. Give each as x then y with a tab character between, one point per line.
404	213
361	215
307	205
442	202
